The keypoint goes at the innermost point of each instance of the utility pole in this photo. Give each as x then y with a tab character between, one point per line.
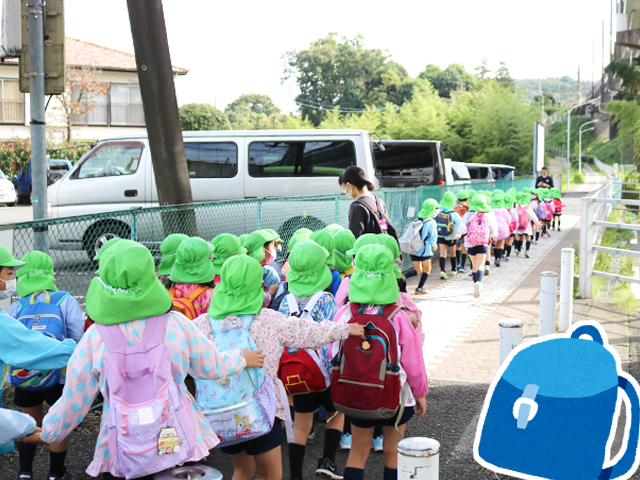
162	117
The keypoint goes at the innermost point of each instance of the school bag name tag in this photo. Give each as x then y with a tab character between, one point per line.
552	409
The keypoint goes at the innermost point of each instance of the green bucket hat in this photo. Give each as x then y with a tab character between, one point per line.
555	193
535	191
193	262
373	281
463	195
243	238
391	243
6	259
295	239
428	208
36	274
240	289
527	190
225	245
509	200
333	228
303	230
498	200
366	239
308	271
472	193
255	243
106	245
344	242
448	201
326	241
168	249
497	191
523	198
126	288
275	234
479	204
512	190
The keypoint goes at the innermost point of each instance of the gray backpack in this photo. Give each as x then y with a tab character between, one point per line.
411	239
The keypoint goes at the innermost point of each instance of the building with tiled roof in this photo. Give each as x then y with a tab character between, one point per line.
116	109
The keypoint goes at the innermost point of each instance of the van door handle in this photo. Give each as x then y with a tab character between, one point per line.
131	193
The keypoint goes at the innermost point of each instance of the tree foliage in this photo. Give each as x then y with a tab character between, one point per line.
253	111
449	80
203	116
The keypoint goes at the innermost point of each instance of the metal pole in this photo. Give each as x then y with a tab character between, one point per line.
548	287
566	289
418	458
510	336
35	25
580	150
585	285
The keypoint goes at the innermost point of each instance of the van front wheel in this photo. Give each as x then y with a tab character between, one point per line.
100	233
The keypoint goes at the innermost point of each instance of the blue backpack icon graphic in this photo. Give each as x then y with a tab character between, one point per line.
552	409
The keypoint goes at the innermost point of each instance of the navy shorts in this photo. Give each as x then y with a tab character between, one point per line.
27	398
406	416
310	402
477	250
415	258
259	445
448	243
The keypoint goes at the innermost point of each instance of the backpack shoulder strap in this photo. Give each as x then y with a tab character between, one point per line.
355	308
390	311
111	336
313	300
58	297
197	292
373	212
294	308
154	330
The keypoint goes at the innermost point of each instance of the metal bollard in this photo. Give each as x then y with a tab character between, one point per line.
418	459
548	287
510	336
566	289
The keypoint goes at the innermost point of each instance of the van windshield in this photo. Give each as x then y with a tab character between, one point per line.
111	159
404	164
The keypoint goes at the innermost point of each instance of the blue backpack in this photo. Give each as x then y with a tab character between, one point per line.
239	407
44	317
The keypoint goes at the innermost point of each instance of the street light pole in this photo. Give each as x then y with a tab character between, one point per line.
590	102
580	141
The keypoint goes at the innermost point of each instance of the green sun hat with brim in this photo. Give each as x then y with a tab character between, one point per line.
498	200
303	230
225	245
240	289
429	207
512	190
509	200
308	271
362	240
325	240
243	238
391	243
273	232
374	281
463	195
255	243
345	239
527	190
334	228
523	198
472	193
127	288
7	260
106	245
36	274
497	191
168	249
479	204
556	193
295	239
193	262
448	201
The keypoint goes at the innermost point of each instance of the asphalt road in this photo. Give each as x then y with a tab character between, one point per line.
18	213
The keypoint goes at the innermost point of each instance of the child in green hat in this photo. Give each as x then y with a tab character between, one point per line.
192	277
240	296
461	209
510	205
300	234
326	240
261	246
35	286
447	221
374	286
168	249
7	278
125	300
344	240
422	258
527	219
558	205
224	245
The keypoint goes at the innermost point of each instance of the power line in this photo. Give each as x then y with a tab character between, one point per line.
322	106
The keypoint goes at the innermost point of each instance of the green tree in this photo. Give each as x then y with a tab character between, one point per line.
446	81
483	70
251	108
629	75
627	114
203	116
504	77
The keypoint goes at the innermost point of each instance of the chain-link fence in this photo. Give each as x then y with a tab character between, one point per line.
73	242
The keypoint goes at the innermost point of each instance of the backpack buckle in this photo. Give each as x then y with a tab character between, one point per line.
525	408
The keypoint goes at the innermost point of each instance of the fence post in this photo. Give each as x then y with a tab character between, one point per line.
566	289
585	285
548	286
337	209
259	214
418	458
510	336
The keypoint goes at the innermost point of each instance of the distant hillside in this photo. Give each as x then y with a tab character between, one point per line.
565	89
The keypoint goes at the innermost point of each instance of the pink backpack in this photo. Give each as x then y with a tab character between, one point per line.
478	230
513	225
151	424
502	220
523	217
557	206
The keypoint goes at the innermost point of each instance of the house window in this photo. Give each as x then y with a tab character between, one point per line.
94	105
126	105
12	101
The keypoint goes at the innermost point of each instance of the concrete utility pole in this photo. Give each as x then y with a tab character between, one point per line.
161	113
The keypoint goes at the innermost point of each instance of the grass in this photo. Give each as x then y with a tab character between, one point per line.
576	179
625	299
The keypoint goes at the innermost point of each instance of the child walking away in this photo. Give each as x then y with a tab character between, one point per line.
422	258
237	303
192	276
326	241
461	252
356	379
510	205
300	234
526	220
558	205
479	226
149	421
504	223
261	246
548	202
535	202
168	249
447	221
344	240
225	245
55	314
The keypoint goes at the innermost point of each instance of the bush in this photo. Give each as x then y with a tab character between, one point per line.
202	116
14	154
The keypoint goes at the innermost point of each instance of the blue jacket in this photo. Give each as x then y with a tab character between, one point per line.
429	238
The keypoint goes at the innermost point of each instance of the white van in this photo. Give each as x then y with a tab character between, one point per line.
456	172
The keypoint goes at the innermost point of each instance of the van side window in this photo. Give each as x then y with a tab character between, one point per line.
404	164
300	159
111	160
212	159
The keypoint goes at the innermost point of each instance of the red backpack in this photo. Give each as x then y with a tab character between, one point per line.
365	380
523	217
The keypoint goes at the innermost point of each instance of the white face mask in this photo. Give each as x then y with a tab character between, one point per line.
9	289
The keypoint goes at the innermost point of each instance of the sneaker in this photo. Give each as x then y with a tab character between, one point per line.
67	476
526	255
345	441
377	443
443	276
420	291
327	469
517	253
476	290
461	269
24	476
535	242
312	436
496	263
470	273
505	259
558	228
453	273
486	270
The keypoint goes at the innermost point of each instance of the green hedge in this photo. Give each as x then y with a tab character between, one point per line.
15	153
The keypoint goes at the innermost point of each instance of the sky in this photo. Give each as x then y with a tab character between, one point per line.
236	47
